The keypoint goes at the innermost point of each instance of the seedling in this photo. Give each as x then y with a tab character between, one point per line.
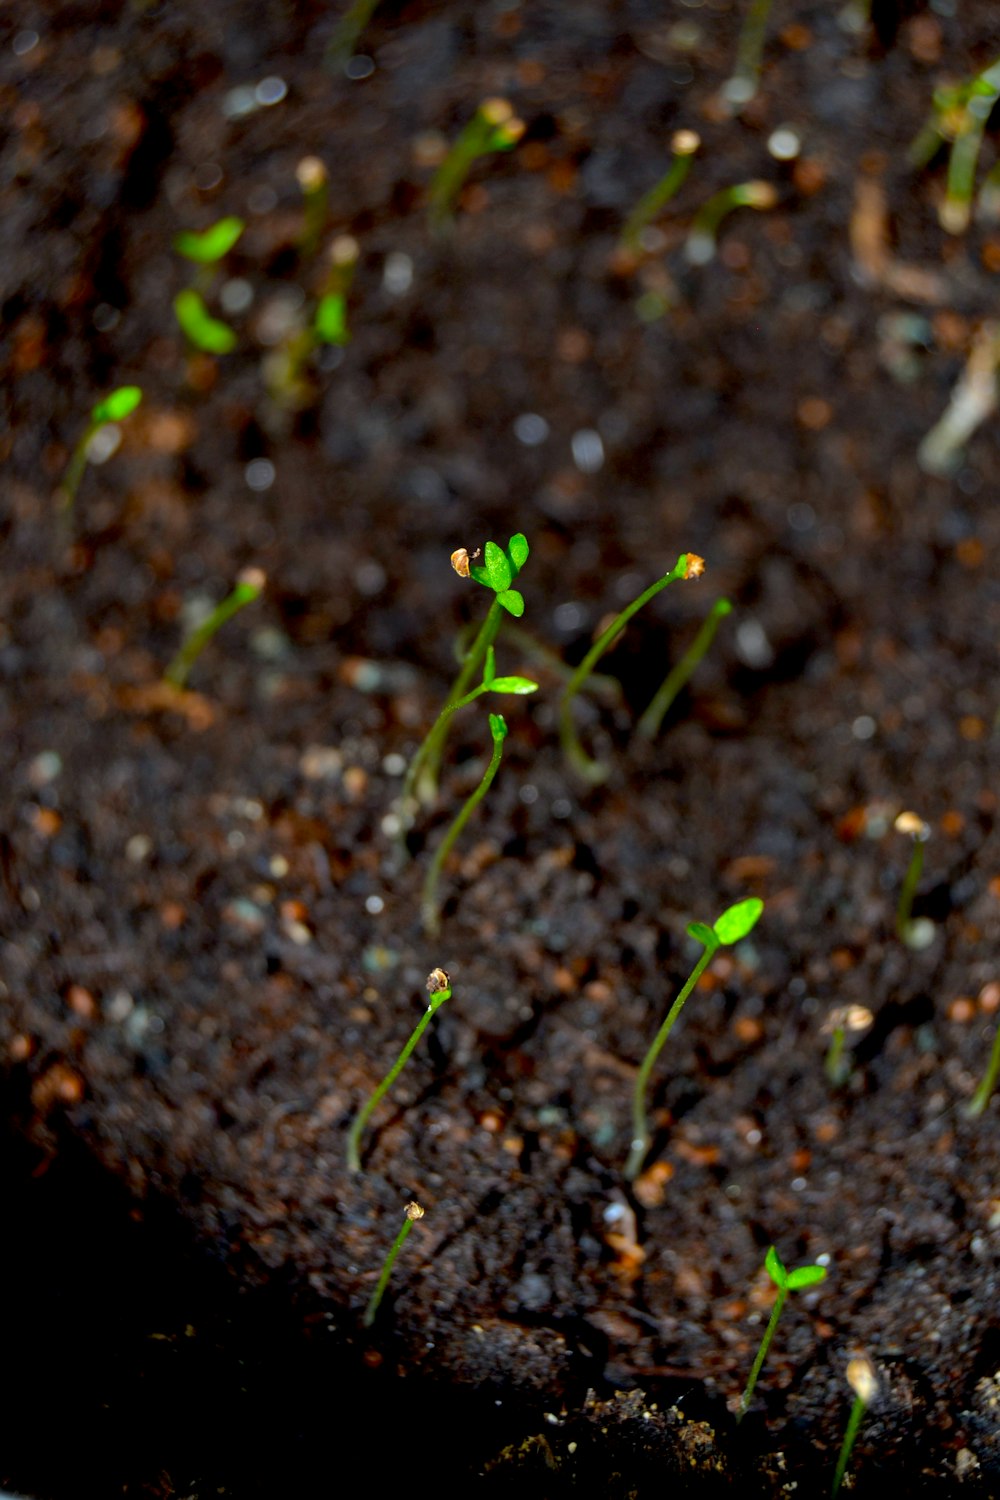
685	143
114	408
785	1281
688	565
412	1213
745	81
439	990
679	676
349	28
734	925
981	1097
497	572
973	399
960	114
494	127
915	934
863	1381
249	587
314	181
430	905
702	241
843	1021
205	250
285	370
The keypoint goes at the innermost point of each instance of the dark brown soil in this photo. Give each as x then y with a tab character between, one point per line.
212	951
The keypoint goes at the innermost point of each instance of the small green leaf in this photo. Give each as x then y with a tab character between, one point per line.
490	667
774	1268
479	573
805	1276
497	568
116	406
519	685
517	552
702	933
204	331
330	322
512	601
498	728
738	920
212	244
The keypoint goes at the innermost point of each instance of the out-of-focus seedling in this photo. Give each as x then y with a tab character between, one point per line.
702	241
734	925
205	250
285	369
249	586
988	1083
439	990
429	904
688	565
785	1281
114	408
920	933
973	399
959	116
314	181
412	1213
684	144
497	572
863	1381
843	1021
679	676
741	87
494	127
345	38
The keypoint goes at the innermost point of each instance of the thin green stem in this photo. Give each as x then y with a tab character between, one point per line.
429	904
248	588
765	1344
608	688
981	1097
640	1127
651	204
349	28
437	999
413	1213
679	676
909	889
835	1065
853	1424
592	770
745	80
700	245
75	469
421	780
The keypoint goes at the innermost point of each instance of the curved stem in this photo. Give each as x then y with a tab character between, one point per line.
593	770
765	1344
429	901
981	1097
640	1127
909	889
364	1114
679	676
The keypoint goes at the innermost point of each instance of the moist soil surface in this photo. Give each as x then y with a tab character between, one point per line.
212	947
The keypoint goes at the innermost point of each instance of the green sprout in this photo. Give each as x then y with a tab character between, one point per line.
684	144
314	181
785	1281
206	249
863	1381
286	367
349	28
843	1021
960	114
733	925
115	407
411	1214
745	81
919	933
249	587
494	127
497	572
429	903
701	243
679	676
439	990
688	565
981	1097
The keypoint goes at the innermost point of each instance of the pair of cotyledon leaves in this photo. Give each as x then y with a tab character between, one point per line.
734	924
499	568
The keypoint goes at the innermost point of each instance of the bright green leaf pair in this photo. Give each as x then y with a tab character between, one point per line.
498	570
116	406
212	244
791	1281
205	332
734	924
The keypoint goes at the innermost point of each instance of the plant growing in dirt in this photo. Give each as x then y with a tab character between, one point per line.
684	145
104	417
493	128
285	370
733	925
205	250
917	933
741	87
959	117
249	586
988	1083
702	241
843	1021
497	572
786	1281
411	1214
314	180
863	1381
439	990
679	676
430	907
688	565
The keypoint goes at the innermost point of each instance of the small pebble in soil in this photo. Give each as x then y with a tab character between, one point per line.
784	143
259	474
397	273
530	429
270	91
44	769
588	450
